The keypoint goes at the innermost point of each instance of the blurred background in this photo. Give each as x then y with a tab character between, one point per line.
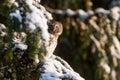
90	42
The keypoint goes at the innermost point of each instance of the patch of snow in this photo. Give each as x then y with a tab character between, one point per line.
90	13
106	67
82	14
113	74
48	15
103	11
2	28
17	15
70	12
39	20
115	12
38	1
29	2
49	76
54	70
37	59
30	27
23	35
20	46
3	33
16	4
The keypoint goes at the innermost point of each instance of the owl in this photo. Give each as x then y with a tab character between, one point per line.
55	29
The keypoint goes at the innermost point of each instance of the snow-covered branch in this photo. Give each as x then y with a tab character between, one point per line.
31	38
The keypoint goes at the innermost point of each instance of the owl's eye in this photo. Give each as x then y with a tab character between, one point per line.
58	28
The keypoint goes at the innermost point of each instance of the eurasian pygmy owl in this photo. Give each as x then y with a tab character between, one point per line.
55	30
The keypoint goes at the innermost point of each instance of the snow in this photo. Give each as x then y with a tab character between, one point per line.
103	11
70	12
16	4
117	44
71	76
19	45
105	67
115	13
23	35
113	74
37	59
82	14
48	15
90	13
11	1
49	76
39	21
38	1
55	70
33	8
30	27
30	2
38	18
3	33
17	15
2	28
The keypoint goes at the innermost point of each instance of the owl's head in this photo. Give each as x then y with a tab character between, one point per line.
55	28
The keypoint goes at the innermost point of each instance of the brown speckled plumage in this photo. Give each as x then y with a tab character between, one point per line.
55	30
